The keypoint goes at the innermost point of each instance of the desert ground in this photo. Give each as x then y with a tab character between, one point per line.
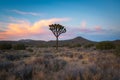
35	63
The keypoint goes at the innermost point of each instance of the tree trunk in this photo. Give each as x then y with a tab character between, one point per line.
56	43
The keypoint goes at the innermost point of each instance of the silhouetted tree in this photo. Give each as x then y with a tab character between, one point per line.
57	29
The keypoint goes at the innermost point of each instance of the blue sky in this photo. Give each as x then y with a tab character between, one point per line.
96	20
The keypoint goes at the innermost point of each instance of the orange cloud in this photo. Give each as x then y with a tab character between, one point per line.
23	29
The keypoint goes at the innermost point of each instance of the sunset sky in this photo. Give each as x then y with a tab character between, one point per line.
95	20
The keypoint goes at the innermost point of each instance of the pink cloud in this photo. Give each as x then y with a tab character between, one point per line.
83	24
23	29
98	28
83	28
91	30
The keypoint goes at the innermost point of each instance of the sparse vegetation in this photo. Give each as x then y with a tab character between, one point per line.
19	46
76	61
5	46
73	45
88	45
30	50
117	50
67	64
105	46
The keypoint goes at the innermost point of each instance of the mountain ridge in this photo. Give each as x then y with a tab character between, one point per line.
76	40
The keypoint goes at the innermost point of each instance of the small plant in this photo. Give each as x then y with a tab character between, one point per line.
19	47
105	46
5	46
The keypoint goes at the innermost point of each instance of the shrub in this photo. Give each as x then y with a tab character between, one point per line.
6	65
80	56
30	50
74	45
5	46
117	50
105	46
12	57
78	45
88	45
59	64
24	73
68	54
48	56
19	46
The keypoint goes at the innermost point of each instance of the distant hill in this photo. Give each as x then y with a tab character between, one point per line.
74	41
78	40
26	40
116	42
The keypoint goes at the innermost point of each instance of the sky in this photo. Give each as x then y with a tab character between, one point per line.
96	20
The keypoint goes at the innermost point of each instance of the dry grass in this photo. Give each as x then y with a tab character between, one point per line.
65	64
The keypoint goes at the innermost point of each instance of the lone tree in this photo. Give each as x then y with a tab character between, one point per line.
57	29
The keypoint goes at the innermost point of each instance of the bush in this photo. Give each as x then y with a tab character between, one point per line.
58	64
6	65
117	50
19	47
5	46
105	46
74	45
54	65
30	50
11	57
24	73
78	45
88	45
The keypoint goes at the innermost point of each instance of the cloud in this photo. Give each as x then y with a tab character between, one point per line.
98	28
24	29
2	30
25	13
83	24
84	29
92	30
